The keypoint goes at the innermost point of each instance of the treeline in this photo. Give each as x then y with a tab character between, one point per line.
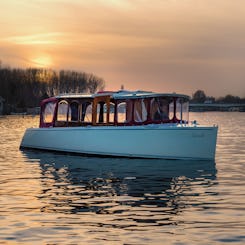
200	97
23	88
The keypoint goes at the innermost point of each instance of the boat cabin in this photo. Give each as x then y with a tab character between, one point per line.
122	108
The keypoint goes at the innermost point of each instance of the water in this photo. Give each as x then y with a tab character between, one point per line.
48	198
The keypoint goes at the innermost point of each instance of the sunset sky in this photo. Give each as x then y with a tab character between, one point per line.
159	45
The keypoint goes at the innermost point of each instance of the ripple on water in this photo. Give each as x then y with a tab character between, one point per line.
54	199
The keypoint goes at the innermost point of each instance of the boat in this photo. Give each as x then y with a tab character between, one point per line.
134	124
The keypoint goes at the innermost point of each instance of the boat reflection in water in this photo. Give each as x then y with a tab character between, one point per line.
121	186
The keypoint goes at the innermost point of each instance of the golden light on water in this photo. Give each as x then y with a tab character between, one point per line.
56	198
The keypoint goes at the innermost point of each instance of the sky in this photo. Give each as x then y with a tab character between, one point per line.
159	45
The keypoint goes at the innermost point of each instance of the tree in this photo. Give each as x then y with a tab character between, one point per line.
22	88
199	96
229	99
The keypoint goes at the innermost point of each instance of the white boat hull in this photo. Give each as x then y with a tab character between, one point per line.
150	141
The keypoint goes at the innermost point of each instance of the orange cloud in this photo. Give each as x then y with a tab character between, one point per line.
173	45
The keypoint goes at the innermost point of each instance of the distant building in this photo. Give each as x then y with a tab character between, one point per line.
1	105
208	102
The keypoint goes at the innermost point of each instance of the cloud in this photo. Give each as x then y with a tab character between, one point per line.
34	39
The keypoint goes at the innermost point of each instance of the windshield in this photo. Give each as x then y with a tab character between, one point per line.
48	112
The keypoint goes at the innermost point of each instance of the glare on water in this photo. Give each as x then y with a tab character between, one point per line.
52	198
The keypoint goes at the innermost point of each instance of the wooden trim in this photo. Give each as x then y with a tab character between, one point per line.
106	99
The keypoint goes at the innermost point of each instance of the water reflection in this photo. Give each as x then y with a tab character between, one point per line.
74	184
56	199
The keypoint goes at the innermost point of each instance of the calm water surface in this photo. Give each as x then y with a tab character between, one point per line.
50	198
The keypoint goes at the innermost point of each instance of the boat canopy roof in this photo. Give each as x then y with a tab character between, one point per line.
144	94
121	94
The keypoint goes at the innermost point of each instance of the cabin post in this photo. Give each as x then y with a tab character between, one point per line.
94	111
41	116
55	114
148	110
68	111
129	111
132	112
115	113
181	111
101	112
174	118
107	110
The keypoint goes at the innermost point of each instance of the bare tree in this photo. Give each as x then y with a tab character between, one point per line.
26	87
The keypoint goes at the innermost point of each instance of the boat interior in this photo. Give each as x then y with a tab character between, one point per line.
114	109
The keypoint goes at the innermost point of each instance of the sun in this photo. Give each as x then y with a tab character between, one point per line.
42	61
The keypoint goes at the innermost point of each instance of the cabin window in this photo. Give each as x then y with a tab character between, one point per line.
185	111
140	110
87	112
74	112
63	108
111	112
101	112
182	109
171	110
124	111
48	113
159	109
121	112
